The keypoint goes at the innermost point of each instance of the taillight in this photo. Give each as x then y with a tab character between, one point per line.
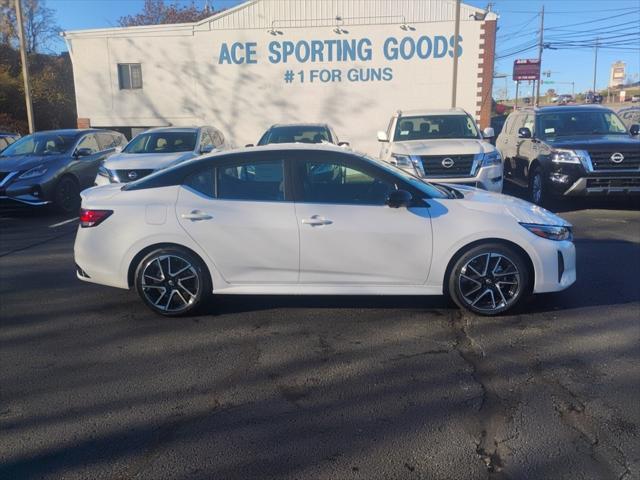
91	218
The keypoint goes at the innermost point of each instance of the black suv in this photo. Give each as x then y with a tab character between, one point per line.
570	150
52	167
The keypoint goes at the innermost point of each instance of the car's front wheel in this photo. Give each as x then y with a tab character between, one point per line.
489	279
537	191
172	281
66	196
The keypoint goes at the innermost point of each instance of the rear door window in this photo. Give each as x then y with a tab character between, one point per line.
90	142
252	181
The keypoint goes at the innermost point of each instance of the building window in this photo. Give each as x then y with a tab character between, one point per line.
129	76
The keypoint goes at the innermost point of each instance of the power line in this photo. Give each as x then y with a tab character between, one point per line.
590	21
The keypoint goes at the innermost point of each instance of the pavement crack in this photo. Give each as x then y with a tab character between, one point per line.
494	410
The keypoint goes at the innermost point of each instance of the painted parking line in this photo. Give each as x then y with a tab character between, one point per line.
64	222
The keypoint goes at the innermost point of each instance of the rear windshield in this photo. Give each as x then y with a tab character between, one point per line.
162	142
292	134
563	124
429	127
41	144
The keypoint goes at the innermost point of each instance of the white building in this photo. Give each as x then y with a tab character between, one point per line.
349	63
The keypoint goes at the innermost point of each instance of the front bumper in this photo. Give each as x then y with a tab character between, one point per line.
555	267
26	192
584	180
596	185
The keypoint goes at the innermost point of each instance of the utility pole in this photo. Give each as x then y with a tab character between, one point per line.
540	48
455	56
595	67
25	67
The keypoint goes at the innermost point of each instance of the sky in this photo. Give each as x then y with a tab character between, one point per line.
518	28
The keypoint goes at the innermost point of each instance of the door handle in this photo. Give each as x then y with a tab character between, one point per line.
316	221
196	215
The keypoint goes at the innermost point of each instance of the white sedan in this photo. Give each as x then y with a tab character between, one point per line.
298	219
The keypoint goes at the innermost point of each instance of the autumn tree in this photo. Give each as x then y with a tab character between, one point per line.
40	29
157	12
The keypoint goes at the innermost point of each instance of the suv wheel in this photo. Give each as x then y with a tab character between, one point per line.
489	279
66	196
537	192
172	282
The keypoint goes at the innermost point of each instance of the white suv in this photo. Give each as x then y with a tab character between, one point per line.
442	146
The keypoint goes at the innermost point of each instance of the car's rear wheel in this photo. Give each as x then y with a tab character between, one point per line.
66	196
489	279
172	281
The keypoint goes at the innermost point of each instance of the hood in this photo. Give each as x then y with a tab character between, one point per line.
521	210
445	146
140	161
596	142
25	162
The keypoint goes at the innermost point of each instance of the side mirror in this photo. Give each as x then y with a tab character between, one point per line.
83	152
634	129
249	145
382	136
524	132
207	149
399	198
344	144
488	132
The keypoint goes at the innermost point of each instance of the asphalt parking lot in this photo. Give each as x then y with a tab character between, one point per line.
93	385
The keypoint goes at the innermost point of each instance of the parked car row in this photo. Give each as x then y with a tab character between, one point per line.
550	151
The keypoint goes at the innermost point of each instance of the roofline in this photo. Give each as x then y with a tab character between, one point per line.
165	26
90	32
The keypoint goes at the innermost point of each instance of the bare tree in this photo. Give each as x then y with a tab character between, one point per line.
40	28
156	12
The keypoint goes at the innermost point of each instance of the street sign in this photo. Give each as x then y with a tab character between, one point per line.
548	81
526	69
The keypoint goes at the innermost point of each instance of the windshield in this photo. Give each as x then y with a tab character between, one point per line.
431	190
40	144
293	134
564	124
430	127
162	142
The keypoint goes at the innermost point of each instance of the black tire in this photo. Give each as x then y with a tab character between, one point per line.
462	279
66	196
169	291
537	191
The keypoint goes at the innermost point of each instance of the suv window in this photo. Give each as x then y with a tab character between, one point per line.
218	138
89	141
257	181
529	122
108	140
205	139
427	127
335	182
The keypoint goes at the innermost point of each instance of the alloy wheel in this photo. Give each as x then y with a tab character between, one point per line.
489	282
170	283
536	188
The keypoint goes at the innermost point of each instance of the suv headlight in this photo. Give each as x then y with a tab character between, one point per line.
34	172
550	232
110	174
408	161
491	158
565	156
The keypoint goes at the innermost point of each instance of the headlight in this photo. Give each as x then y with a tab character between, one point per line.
110	174
492	158
34	172
550	232
408	161
565	156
